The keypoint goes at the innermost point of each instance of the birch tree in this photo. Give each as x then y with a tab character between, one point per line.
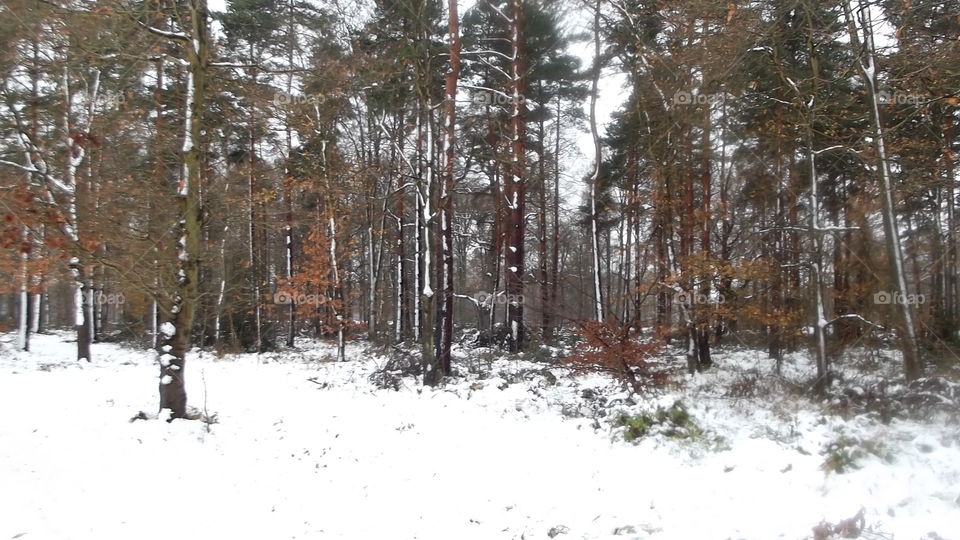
862	25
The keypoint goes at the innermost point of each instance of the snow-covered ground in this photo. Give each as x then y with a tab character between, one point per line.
304	447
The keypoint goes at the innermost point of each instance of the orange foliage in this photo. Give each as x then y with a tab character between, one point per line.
313	289
611	347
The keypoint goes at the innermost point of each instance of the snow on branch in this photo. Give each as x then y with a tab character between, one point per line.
501	13
487	51
855	316
176	36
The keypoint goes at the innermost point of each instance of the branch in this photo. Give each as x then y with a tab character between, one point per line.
176	36
501	13
856	316
29	170
487	51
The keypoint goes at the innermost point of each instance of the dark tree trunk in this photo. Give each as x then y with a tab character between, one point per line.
516	188
441	367
175	334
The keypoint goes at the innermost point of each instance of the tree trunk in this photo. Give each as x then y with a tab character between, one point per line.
542	234
427	295
516	186
418	265
23	319
598	158
175	334
497	229
446	196
555	245
703	324
912	365
252	237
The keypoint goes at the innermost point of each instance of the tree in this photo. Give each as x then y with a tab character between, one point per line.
441	366
180	307
598	160
867	63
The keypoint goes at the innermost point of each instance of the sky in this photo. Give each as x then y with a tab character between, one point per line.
611	94
579	162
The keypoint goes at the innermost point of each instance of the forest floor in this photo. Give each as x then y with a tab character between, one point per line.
297	446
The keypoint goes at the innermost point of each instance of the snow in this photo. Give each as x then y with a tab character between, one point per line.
183	189
168	329
165	33
304	447
78	317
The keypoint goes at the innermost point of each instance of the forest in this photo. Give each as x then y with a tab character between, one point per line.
715	208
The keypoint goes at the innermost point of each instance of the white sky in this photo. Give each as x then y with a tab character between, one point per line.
611	96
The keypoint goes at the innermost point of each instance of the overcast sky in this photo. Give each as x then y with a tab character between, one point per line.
611	95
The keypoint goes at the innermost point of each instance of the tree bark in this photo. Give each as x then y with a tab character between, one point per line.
446	194
175	334
912	365
515	192
555	243
598	158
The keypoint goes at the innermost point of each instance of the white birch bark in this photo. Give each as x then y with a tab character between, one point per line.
868	69
595	179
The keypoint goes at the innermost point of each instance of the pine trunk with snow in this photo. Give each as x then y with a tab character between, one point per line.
515	185
441	362
288	252
418	224
427	296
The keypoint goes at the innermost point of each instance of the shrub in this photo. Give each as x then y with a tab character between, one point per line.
675	423
845	454
636	426
613	349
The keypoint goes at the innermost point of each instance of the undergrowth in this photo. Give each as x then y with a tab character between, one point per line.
674	422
